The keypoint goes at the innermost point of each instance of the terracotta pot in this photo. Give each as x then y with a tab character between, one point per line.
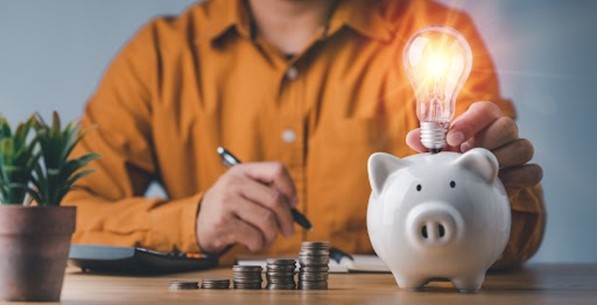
34	244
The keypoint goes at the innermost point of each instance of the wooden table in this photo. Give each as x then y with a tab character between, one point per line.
535	284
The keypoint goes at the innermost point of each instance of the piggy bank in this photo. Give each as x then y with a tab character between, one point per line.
438	216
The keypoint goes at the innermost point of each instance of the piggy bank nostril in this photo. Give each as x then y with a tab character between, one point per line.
442	230
424	232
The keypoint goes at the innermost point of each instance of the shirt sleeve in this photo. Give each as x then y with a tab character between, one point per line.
110	205
528	210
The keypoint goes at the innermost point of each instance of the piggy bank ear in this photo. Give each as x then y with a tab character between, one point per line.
480	161
380	167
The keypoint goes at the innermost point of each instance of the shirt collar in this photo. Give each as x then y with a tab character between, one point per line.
363	16
228	14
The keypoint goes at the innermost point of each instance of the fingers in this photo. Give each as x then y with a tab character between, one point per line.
473	122
501	132
249	204
521	177
413	139
515	153
483	125
258	217
248	235
272	203
478	117
272	173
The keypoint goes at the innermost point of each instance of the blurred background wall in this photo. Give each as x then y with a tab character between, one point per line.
53	53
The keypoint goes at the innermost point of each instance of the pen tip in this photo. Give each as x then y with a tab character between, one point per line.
220	149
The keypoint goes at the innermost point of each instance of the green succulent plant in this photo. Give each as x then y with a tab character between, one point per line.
56	174
17	156
39	165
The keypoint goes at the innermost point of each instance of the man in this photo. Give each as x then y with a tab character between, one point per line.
303	92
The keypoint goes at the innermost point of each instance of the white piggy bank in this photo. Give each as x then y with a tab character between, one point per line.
438	216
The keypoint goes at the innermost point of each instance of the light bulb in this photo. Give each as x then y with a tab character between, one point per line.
437	61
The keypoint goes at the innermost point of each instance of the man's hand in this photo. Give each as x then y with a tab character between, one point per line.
484	125
250	204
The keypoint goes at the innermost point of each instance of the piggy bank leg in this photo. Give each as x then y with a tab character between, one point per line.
469	284
411	283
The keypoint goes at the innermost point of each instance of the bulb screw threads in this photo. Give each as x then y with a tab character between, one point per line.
433	135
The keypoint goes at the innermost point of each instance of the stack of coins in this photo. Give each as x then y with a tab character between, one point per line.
247	277
314	257
184	285
215	283
280	273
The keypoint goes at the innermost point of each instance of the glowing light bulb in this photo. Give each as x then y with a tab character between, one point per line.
437	61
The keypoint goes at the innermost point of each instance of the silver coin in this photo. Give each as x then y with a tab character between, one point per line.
246	286
247	278
276	267
280	273
184	285
293	283
268	277
215	286
281	286
321	251
280	261
313	277
313	285
280	279
256	274
247	268
206	286
314	261
312	255
324	268
215	283
286	269
248	281
315	244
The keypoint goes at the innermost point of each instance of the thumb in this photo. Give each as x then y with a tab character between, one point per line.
475	119
413	140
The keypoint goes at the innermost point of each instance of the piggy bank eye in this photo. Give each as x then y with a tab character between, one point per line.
452	184
419	187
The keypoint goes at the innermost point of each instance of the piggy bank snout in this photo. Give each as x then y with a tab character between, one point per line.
433	224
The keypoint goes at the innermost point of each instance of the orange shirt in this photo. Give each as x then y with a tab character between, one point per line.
185	85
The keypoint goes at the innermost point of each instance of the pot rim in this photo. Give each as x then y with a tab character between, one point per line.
37	220
21	206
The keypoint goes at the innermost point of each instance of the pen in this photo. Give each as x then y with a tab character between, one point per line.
230	160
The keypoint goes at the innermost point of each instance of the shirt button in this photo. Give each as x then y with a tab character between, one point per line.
289	136
292	73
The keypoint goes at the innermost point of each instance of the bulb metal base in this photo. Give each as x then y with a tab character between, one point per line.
433	135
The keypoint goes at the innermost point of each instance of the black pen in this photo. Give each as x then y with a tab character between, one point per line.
230	160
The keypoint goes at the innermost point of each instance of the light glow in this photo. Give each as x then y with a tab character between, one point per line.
437	61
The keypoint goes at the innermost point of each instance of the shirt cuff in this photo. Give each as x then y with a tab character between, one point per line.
174	225
528	200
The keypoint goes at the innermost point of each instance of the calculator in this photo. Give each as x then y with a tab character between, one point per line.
136	260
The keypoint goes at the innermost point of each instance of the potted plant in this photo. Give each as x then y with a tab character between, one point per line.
35	174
